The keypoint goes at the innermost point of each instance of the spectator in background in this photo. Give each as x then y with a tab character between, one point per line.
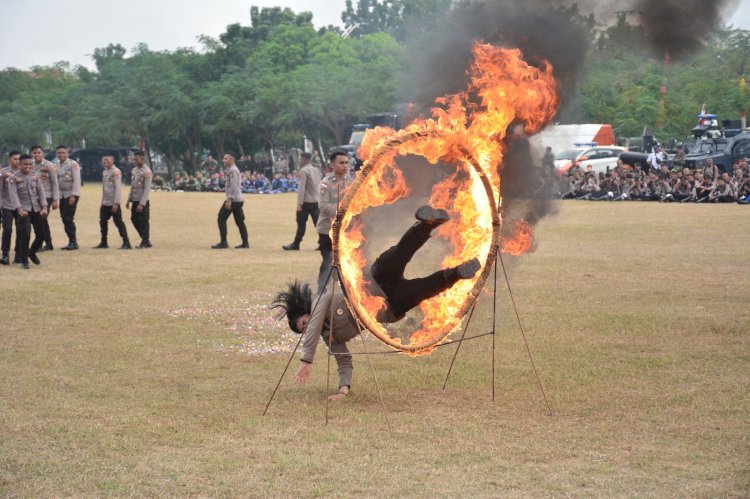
711	170
722	192
548	160
210	165
678	160
703	187
656	158
683	190
743	191
316	161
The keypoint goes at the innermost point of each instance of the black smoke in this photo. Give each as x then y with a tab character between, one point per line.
543	30
680	27
561	32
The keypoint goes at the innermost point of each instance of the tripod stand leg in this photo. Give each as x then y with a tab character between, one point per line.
460	341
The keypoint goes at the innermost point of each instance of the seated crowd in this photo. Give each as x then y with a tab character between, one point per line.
678	184
250	183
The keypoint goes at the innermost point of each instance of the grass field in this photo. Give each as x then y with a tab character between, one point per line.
145	373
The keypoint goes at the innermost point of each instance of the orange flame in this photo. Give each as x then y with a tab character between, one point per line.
503	89
523	239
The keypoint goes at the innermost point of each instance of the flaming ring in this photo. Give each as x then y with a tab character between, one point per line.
364	317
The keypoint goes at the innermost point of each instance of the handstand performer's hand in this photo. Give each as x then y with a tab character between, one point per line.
303	373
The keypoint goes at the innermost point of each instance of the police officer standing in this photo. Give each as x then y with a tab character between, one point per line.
307	199
332	190
33	210
47	173
111	201
9	206
69	179
140	188
232	205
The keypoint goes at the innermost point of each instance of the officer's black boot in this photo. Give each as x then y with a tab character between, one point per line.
5	260
126	244
101	245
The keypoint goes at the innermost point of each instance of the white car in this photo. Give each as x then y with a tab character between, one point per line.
598	157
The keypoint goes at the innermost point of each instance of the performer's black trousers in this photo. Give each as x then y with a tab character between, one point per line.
47	235
388	272
9	218
105	213
141	220
239	219
308	210
68	213
24	234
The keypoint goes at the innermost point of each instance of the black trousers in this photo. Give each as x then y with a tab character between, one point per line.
308	210
239	219
47	235
68	214
24	234
388	272
141	220
10	217
105	213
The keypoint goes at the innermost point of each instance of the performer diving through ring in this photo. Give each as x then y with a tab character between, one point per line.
388	272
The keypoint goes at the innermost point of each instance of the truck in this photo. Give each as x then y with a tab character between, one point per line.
724	151
391	119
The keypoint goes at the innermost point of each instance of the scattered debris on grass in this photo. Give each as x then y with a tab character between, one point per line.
257	327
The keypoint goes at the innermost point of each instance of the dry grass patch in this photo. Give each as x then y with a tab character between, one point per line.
144	372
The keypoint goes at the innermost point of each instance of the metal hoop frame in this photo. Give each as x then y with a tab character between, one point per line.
374	164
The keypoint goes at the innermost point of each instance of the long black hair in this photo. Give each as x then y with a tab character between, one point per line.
295	302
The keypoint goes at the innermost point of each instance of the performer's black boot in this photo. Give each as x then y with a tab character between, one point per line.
466	270
428	219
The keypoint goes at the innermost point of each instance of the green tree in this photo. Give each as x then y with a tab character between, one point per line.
401	19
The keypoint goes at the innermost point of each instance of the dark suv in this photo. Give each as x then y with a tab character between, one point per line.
723	151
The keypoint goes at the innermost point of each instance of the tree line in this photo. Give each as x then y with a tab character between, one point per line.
267	84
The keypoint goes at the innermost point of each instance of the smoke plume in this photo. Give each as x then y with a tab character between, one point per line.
681	27
557	31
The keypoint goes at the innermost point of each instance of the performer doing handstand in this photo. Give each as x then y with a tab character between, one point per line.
388	272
